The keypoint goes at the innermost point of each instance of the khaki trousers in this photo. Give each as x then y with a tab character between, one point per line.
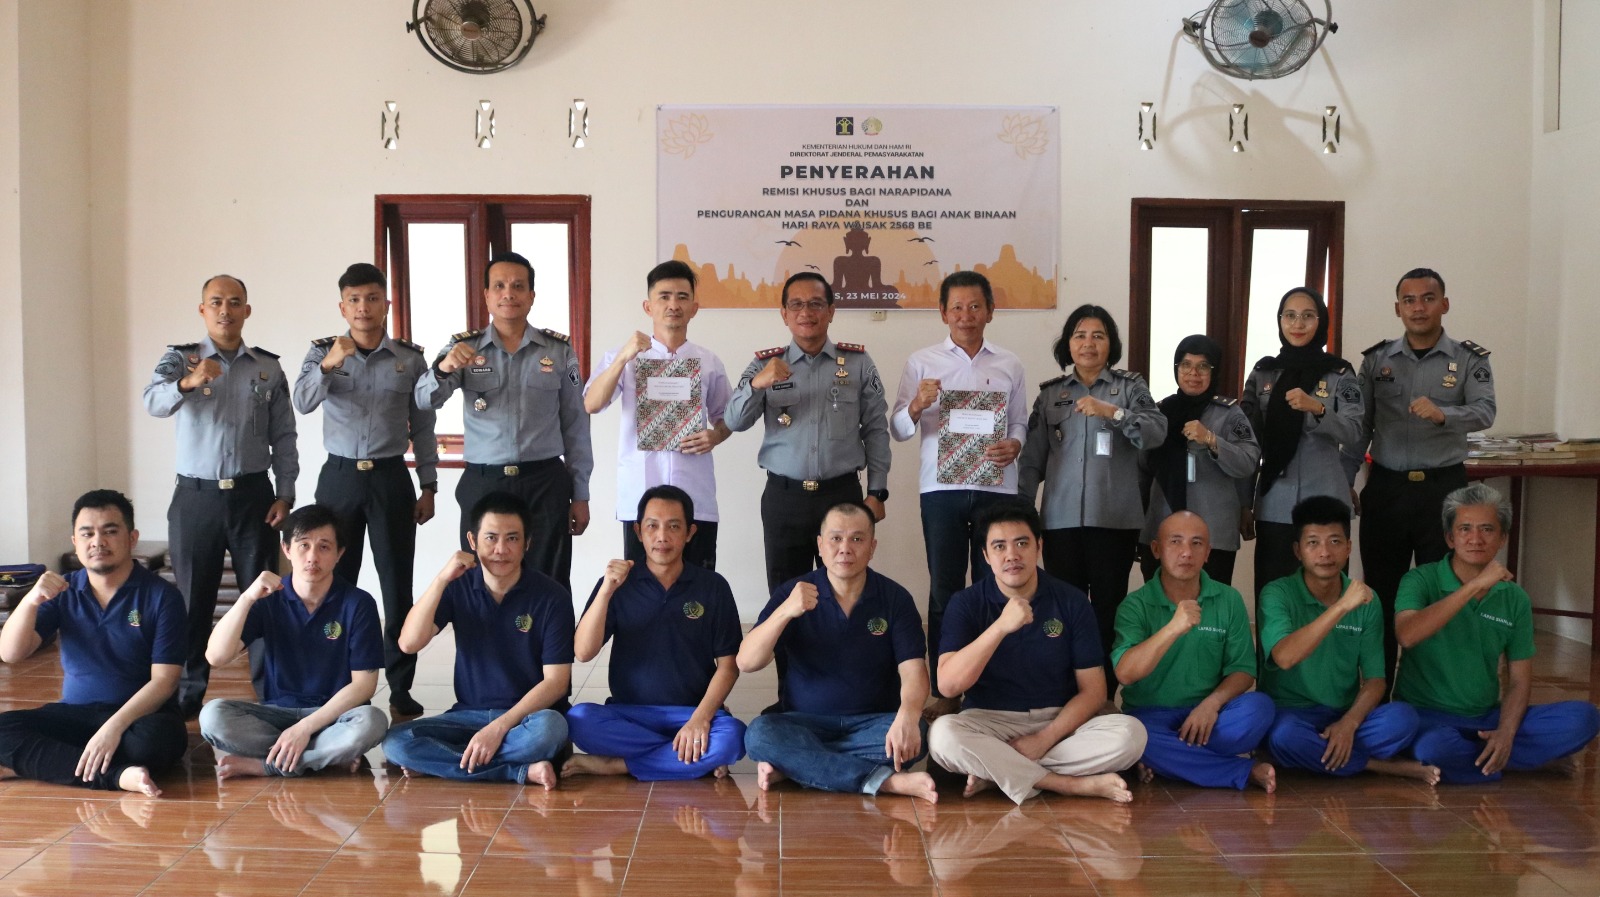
975	742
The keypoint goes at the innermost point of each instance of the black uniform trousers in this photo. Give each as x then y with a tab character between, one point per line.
1098	561
44	743
205	521
381	501
791	516
1399	522
546	487
700	552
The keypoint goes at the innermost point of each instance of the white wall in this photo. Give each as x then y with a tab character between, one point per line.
238	137
13	438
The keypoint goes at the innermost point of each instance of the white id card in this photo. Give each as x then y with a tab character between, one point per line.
1102	442
1191	467
971	420
670	389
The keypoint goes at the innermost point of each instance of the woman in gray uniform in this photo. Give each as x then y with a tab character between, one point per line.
1304	403
1084	438
1207	463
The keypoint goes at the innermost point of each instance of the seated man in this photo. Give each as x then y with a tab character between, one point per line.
1185	658
513	659
1025	649
1455	618
677	631
322	650
853	673
123	641
1322	648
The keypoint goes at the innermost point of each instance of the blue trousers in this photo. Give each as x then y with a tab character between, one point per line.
949	517
434	745
829	753
1240	727
1548	732
1296	736
248	729
641	734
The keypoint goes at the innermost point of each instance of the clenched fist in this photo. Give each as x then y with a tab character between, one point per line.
800	601
458	357
777	369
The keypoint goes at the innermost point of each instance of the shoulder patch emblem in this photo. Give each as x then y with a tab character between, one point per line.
773	352
554	335
1474	348
1242	430
1349	392
1481	374
851	347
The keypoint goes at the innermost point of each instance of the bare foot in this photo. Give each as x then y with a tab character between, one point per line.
1108	785
354	767
594	765
544	773
232	766
976	785
1566	766
1408	769
410	773
1146	774
137	779
720	772
768	775
1264	775
6	774
911	784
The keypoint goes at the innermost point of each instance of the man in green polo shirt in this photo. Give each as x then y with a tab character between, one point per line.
1322	659
1184	656
1454	619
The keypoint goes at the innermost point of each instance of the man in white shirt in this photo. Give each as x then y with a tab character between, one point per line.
682	391
965	398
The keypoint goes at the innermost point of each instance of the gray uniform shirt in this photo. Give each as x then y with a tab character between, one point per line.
519	408
1316	468
835	425
239	423
1455	375
1220	480
1082	485
370	411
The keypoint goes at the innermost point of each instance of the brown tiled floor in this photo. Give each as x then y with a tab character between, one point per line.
378	833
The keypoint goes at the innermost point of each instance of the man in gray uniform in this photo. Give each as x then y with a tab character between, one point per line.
234	421
526	430
364	380
826	418
1425	392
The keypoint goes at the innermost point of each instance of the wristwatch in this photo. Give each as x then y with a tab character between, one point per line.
1118	415
879	494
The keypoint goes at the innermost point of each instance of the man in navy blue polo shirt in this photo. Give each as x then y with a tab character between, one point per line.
853	672
323	649
513	659
1025	648
677	631
123	632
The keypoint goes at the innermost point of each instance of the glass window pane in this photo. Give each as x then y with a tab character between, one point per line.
438	255
545	244
1179	269
1277	265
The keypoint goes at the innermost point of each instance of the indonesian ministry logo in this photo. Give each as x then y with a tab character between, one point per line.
332	630
1053	628
694	610
524	622
134	619
877	626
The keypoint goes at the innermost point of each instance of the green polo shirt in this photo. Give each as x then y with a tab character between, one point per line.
1457	669
1201	658
1332	674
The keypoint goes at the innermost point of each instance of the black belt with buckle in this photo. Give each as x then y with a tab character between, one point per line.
366	464
827	485
1420	476
520	468
222	485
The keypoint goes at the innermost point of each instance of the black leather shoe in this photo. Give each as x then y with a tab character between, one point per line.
404	705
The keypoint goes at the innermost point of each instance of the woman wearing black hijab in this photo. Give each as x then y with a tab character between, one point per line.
1207	461
1304	403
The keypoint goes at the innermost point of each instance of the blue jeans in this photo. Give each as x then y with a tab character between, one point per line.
829	753
642	736
1240	727
1548	732
248	729
434	745
1296	736
948	521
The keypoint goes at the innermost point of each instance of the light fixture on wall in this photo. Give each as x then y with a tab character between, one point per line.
389	125
1147	133
1330	129
1238	127
478	37
484	124
578	124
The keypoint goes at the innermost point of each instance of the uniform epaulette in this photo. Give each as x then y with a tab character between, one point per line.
406	343
260	351
554	335
851	347
465	334
1224	401
1375	347
183	347
773	352
1344	367
324	342
1474	348
1126	375
1052	381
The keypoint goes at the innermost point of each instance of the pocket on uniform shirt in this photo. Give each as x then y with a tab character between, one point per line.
844	418
488	381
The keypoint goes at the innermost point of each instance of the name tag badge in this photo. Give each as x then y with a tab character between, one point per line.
669	389
970	420
1102	442
1191	466
481	370
782	384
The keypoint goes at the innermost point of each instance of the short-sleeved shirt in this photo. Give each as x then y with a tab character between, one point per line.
310	655
1197	662
1332	674
502	649
668	640
1036	666
106	654
1457	669
847	665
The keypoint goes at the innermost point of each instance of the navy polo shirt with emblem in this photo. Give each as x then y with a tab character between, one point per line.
310	655
106	654
1036	666
502	649
668	640
842	665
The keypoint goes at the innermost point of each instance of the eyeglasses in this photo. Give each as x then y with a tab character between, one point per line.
813	305
1195	367
1293	317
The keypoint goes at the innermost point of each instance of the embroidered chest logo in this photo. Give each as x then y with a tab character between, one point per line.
134	619
1217	630
1492	619
1350	627
1053	628
524	622
693	610
332	630
877	626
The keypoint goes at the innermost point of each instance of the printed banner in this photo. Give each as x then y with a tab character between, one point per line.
969	422
883	201
668	404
